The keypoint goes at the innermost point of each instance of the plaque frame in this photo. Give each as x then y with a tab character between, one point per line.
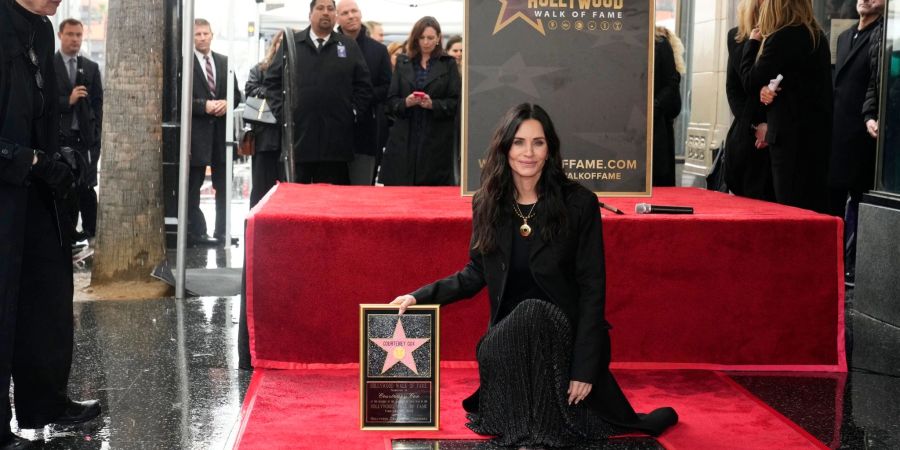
433	311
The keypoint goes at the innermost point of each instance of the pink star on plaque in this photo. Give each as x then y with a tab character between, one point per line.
399	348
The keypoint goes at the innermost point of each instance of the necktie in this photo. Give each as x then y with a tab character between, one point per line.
72	71
72	63
320	42
210	79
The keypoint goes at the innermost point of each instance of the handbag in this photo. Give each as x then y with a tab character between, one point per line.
247	142
257	110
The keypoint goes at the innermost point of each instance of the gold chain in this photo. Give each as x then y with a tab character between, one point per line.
519	212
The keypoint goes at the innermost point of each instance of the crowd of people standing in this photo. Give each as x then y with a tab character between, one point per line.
359	112
803	134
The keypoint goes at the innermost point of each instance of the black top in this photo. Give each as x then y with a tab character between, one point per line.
520	284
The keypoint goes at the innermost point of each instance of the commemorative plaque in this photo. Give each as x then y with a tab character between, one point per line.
399	368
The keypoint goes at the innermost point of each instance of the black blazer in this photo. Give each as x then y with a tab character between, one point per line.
570	270
89	111
207	131
852	164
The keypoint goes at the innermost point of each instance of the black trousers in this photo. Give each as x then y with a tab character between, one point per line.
196	219
266	170
36	331
331	172
87	204
85	199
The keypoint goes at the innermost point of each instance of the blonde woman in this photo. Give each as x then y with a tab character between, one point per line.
668	67
789	42
748	169
395	49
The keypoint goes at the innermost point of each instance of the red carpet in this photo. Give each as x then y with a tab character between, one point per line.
740	284
319	409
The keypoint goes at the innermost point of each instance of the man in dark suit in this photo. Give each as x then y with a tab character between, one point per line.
208	133
80	97
368	134
36	326
331	89
852	164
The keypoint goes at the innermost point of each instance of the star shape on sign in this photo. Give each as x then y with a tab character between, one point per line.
513	73
399	348
516	9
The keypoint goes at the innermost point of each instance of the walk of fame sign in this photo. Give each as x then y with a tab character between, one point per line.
399	368
588	63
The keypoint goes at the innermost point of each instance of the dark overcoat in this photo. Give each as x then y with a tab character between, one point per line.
35	246
331	88
799	119
208	131
748	170
666	107
852	164
405	163
571	271
367	135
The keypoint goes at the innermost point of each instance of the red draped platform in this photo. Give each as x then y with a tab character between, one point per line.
740	284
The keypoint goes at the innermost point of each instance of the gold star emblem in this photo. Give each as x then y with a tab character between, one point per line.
512	10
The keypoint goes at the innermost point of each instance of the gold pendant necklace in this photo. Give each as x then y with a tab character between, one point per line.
524	229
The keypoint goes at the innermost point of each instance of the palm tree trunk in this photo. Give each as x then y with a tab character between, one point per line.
130	226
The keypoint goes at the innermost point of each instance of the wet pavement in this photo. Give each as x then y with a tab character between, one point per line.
166	374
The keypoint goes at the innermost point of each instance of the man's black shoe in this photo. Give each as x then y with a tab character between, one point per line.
78	412
9	441
202	240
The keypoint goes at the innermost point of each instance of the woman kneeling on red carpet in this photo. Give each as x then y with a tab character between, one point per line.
537	244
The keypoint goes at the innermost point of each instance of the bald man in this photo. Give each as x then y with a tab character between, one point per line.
369	137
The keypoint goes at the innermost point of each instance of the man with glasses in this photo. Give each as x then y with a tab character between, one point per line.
35	233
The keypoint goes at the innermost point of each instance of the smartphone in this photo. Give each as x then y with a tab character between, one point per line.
418	94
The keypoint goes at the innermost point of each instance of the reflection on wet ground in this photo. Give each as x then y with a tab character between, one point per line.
164	371
166	374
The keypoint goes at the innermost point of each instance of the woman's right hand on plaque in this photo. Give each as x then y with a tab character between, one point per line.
404	301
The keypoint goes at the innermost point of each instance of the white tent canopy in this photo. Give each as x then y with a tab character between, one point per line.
397	17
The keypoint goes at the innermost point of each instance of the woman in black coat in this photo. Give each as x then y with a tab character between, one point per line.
266	169
799	114
423	100
666	105
537	244
748	170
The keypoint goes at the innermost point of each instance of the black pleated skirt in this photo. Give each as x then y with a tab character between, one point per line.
524	364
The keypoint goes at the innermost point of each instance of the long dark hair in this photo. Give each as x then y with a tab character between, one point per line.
493	202
412	43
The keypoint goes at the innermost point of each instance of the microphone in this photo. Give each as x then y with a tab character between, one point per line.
774	82
646	208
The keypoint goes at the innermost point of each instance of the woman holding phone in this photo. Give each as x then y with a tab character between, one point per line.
423	99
